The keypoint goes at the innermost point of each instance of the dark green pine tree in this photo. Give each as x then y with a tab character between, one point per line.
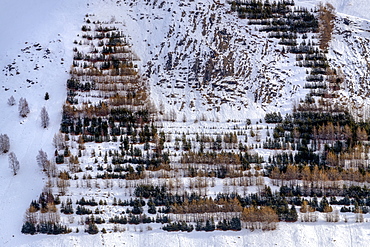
292	216
210	226
28	228
92	228
323	204
235	224
199	226
151	209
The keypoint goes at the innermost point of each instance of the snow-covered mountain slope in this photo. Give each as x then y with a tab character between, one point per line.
207	59
36	55
35	58
349	54
199	56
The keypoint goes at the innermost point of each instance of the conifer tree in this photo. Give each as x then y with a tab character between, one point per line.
292	215
28	228
92	228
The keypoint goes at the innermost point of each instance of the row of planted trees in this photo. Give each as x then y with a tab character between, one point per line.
114	109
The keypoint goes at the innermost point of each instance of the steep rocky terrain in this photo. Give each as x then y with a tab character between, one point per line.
164	112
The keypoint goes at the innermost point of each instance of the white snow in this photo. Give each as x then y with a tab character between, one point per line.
288	235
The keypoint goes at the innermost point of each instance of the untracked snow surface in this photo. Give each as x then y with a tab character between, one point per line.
288	235
35	57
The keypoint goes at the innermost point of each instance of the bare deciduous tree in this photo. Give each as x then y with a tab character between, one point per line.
31	215
13	163
44	118
42	160
51	169
4	143
11	101
58	141
63	183
23	107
